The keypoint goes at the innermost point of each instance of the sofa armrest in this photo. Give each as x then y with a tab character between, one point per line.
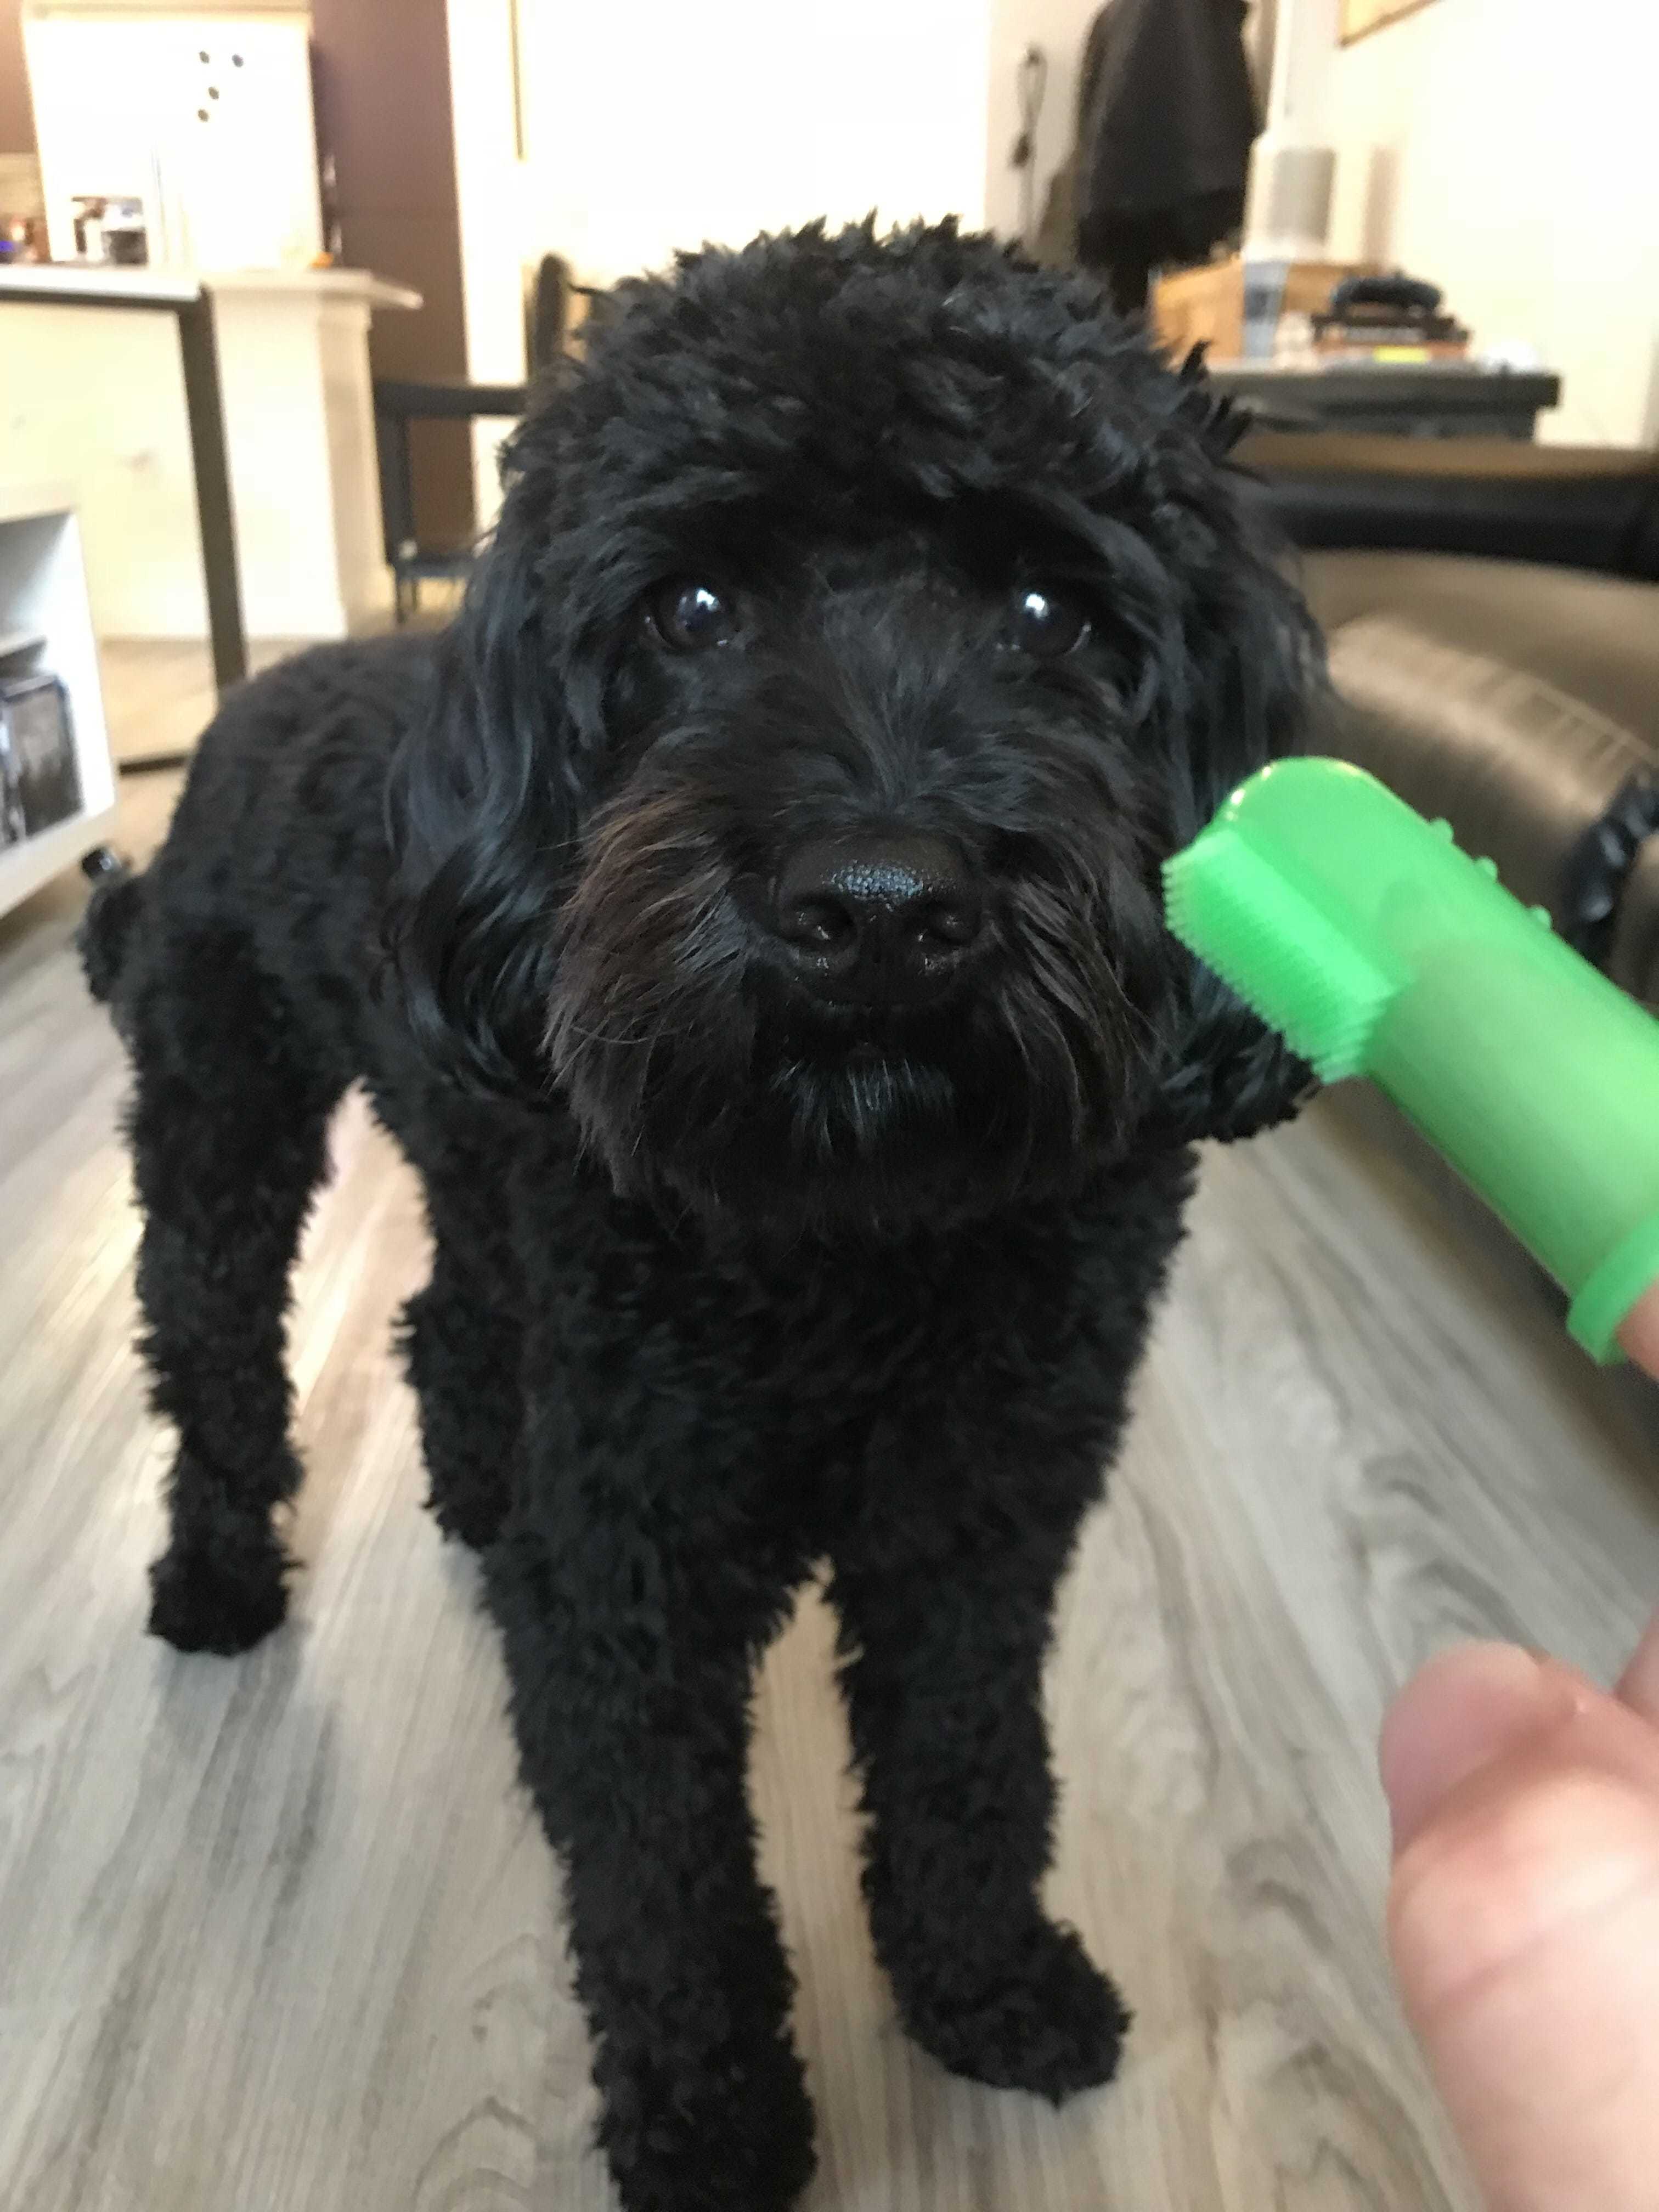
1595	508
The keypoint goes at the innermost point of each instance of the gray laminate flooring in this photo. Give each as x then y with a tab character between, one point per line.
158	692
278	1935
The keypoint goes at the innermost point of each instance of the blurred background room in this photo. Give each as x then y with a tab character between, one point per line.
274	285
386	206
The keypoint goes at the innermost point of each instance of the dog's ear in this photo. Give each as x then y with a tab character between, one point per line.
482	809
1260	667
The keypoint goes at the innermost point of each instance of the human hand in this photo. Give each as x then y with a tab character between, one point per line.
1523	1918
1639	1334
1523	1914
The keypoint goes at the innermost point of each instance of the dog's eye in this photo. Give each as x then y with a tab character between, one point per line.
692	616
1046	625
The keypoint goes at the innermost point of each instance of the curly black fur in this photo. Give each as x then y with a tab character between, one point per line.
733	1274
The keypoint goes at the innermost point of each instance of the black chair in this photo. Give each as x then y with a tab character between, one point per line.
550	295
398	403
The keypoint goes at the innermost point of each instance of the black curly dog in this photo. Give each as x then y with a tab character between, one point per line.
746	917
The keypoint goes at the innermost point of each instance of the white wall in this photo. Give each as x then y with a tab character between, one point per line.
496	230
1519	172
1059	27
649	126
653	123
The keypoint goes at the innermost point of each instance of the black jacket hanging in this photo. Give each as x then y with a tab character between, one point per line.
1166	120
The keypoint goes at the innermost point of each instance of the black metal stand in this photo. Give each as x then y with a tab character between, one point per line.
216	517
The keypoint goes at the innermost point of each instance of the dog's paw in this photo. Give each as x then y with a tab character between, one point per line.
1040	2016
222	1599
739	2139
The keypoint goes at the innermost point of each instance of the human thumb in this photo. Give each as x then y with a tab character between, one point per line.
1523	1919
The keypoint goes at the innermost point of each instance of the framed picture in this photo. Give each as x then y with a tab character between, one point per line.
1361	16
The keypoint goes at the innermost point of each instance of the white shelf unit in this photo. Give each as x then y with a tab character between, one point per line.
45	624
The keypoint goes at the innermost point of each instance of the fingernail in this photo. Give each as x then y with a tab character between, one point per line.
1639	1686
1465	1709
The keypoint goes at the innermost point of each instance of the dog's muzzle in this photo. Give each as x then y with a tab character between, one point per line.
877	921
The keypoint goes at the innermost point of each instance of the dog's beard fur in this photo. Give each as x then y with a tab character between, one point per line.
702	1070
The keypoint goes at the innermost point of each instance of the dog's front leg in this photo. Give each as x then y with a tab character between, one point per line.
629	1645
944	1629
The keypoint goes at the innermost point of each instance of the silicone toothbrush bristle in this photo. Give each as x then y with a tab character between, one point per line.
1289	962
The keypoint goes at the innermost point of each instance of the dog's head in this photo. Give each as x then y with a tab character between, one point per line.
867	619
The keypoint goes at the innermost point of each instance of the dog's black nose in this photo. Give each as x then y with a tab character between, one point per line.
878	918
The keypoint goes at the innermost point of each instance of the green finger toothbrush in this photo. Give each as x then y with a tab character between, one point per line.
1346	921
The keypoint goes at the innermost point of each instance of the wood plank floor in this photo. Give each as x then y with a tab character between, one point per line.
158	692
278	1935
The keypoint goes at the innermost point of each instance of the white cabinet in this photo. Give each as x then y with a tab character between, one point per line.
46	628
205	119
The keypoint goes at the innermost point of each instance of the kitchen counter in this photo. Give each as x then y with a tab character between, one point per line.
253	507
167	288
